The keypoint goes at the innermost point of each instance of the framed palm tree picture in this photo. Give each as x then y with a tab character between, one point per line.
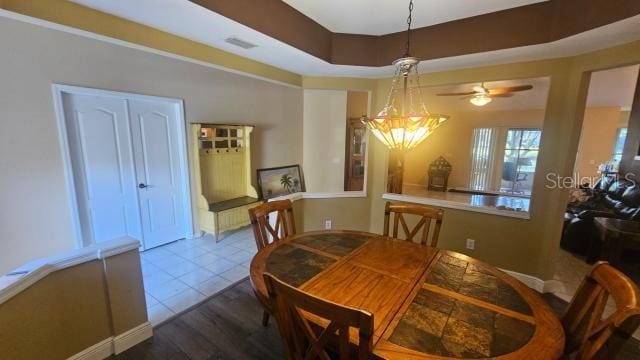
279	181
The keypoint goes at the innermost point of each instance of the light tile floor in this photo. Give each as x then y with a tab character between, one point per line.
181	274
569	272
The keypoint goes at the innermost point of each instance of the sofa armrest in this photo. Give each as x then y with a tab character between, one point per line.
590	214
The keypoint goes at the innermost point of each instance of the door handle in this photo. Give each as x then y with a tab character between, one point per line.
143	186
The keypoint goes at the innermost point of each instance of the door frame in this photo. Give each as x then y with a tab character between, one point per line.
58	91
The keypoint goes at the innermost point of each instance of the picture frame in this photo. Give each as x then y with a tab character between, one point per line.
280	181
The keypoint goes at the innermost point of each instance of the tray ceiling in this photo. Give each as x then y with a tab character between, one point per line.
189	20
378	17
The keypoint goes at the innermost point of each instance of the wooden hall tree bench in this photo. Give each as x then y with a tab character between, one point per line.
223	177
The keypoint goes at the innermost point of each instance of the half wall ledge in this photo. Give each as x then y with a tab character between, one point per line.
16	281
465	202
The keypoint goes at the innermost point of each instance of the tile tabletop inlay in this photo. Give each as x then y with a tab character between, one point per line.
335	244
441	325
473	281
295	266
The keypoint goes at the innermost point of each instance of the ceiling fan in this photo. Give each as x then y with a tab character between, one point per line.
481	96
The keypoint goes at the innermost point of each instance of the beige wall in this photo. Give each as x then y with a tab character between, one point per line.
326	113
68	13
324	133
125	290
453	141
623	120
35	219
357	103
70	310
344	213
597	139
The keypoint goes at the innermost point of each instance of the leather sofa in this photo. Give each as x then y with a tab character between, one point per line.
612	198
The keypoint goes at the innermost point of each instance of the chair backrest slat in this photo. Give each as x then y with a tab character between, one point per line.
425	230
590	336
283	227
303	340
427	216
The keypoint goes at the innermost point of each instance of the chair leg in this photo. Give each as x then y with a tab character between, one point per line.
265	318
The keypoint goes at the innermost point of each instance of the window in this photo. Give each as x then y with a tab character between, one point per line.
482	155
520	158
621	136
515	149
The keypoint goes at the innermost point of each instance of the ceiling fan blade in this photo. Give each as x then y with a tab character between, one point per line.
501	95
508	89
457	94
466	97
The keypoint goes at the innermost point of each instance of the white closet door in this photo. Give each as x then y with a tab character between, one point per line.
155	131
101	155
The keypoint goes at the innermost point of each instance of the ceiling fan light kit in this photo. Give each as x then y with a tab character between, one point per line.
480	100
481	96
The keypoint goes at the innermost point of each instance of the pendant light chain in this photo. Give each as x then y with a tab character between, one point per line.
404	122
394	89
406	53
423	107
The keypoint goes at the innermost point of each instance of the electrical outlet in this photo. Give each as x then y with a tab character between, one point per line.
327	224
471	244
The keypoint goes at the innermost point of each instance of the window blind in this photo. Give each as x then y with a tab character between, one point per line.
482	154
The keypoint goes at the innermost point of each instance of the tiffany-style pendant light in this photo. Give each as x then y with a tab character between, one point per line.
404	122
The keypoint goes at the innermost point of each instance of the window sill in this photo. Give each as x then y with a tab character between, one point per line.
465	202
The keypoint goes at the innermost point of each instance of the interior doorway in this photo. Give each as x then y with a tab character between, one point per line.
601	188
126	161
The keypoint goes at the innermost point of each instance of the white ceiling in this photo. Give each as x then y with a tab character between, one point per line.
186	19
378	17
614	87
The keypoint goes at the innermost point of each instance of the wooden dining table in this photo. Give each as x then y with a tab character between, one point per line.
427	303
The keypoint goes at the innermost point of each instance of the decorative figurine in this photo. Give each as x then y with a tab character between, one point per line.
439	171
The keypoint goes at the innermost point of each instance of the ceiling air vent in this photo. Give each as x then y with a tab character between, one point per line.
239	42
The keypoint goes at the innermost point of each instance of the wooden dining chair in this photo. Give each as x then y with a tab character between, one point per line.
303	340
284	226
588	334
427	214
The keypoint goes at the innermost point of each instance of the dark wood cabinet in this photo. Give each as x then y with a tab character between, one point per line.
355	155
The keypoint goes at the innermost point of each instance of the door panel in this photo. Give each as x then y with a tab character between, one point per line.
157	156
101	156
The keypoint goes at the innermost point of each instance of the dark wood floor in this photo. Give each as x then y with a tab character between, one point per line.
227	326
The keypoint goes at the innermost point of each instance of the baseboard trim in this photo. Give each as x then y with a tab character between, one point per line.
115	344
534	282
99	351
132	337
